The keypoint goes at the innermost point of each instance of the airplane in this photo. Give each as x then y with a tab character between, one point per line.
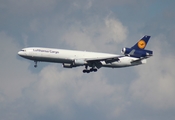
136	55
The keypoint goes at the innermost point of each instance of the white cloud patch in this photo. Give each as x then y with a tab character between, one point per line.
67	88
116	29
155	84
13	78
97	36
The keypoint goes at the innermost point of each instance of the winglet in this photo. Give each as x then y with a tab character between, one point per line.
141	44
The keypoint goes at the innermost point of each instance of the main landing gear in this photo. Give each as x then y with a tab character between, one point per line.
90	70
35	64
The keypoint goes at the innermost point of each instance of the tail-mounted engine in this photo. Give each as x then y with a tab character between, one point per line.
136	53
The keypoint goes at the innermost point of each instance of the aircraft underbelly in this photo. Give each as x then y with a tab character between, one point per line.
119	64
115	65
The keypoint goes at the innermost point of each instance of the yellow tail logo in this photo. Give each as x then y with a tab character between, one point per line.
141	44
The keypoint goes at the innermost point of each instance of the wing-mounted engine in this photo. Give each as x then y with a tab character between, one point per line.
68	65
75	63
136	53
79	62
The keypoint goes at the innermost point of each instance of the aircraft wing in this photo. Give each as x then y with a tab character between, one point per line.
97	61
106	59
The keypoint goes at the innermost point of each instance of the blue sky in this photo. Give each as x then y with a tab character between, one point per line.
144	92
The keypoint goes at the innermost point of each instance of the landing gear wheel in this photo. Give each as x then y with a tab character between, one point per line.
93	70
86	71
90	70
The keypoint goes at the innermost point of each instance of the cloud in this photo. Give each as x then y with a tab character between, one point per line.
65	89
15	77
116	30
10	75
97	36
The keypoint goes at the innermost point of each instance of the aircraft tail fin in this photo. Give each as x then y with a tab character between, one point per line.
141	44
138	50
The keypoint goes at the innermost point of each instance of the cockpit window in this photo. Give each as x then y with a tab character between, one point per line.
23	50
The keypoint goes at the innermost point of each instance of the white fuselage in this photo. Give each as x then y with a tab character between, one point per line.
69	56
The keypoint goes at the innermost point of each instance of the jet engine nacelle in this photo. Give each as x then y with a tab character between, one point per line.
67	65
79	62
136	53
125	51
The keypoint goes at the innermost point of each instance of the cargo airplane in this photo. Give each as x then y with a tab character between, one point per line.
92	61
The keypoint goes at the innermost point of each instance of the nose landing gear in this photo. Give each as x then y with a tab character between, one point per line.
35	64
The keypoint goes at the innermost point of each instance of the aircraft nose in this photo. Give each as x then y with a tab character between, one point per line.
19	53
